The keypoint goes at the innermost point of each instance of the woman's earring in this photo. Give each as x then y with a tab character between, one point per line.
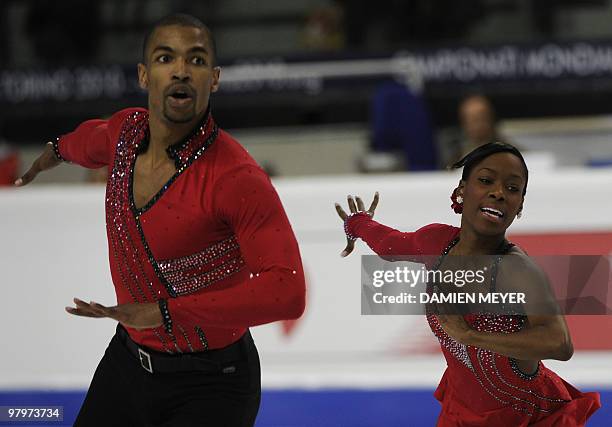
457	205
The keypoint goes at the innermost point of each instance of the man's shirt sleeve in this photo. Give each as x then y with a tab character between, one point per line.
245	199
90	145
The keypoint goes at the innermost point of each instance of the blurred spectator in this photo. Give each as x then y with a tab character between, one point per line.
478	125
9	165
401	132
323	29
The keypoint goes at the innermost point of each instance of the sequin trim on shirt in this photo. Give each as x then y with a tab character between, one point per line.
128	245
134	132
521	374
186	338
183	153
197	271
207	255
202	337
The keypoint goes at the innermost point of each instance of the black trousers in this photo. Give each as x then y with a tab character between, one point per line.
123	394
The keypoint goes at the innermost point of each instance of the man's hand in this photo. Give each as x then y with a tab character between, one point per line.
47	160
135	315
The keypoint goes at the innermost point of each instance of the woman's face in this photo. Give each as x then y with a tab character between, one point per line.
493	194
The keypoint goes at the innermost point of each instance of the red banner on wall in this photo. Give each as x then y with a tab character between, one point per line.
586	330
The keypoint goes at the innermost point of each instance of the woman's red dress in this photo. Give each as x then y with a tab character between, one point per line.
481	387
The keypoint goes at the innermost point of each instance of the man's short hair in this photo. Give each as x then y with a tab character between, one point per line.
478	97
182	20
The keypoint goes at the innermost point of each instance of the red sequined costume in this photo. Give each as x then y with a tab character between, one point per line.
481	387
215	241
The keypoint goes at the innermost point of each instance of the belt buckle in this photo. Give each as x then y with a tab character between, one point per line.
145	360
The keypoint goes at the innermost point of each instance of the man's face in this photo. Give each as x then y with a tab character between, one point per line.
178	74
477	121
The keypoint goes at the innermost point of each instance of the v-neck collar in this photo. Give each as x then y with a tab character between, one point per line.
184	153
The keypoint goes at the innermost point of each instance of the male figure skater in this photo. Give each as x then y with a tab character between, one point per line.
200	247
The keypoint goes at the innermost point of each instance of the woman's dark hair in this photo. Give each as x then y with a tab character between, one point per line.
482	152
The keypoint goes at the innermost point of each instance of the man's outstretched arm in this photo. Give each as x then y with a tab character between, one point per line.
90	145
47	160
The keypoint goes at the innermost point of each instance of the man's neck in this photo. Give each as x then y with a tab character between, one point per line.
164	134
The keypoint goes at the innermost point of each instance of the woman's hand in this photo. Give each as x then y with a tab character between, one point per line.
355	205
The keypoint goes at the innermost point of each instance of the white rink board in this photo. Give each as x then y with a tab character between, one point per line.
54	248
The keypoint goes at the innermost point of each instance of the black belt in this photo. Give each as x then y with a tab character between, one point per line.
210	360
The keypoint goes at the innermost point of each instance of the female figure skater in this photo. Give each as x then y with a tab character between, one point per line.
494	376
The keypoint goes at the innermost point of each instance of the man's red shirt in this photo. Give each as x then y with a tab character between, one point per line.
215	241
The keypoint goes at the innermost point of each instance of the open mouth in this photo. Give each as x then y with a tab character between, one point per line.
492	213
180	95
180	100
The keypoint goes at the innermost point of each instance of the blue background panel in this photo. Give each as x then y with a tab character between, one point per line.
300	408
